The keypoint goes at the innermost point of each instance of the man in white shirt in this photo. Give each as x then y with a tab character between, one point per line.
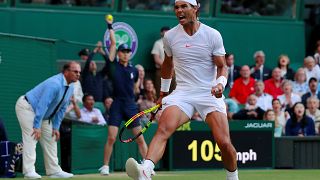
90	114
195	52
158	57
264	100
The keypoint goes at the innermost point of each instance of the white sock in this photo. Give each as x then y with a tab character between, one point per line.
148	164
232	175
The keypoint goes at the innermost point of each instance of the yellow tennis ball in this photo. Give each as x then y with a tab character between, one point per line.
109	17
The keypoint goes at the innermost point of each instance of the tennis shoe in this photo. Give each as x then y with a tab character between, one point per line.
137	171
104	170
32	175
61	174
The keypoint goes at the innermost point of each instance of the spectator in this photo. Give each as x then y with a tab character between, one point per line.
233	70
78	93
158	57
90	114
124	76
300	85
264	100
93	82
273	85
313	91
283	64
73	110
40	113
310	68
3	133
139	85
259	71
299	123
251	110
317	54
243	86
270	115
232	107
313	111
107	105
281	116
84	54
149	97
288	98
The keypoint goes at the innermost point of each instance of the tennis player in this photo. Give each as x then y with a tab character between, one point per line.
194	51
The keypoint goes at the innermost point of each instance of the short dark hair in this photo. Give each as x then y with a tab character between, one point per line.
312	79
228	54
85	96
67	65
84	52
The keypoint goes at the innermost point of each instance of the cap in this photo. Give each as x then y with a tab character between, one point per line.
84	52
124	47
165	28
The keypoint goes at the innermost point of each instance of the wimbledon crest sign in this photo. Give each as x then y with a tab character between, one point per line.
124	34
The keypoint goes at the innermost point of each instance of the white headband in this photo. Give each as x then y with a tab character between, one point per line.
193	2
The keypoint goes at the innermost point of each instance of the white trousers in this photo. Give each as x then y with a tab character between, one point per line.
25	115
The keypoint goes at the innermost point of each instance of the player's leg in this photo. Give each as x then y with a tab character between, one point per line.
142	145
218	123
171	118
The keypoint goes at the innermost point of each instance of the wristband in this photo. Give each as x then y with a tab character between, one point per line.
165	85
110	26
222	80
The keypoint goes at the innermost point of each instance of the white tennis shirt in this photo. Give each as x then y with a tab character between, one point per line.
192	56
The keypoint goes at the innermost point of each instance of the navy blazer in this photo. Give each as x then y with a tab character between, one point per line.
266	73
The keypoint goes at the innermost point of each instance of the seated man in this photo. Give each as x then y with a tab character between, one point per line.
89	113
251	110
243	86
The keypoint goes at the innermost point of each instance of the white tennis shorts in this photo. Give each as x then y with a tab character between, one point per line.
195	100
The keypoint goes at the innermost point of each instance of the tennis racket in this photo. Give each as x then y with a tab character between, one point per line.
126	134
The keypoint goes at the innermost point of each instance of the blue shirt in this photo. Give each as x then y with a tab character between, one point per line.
123	79
295	130
46	96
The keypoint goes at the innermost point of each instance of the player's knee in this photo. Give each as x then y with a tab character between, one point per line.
111	140
225	144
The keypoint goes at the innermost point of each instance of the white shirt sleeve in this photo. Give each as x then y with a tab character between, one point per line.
218	48
166	46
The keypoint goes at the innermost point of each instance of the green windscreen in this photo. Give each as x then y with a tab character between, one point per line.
24	62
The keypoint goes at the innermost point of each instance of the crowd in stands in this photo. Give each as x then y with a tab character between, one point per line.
291	98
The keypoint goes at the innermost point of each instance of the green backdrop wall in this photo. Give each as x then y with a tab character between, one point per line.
243	36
